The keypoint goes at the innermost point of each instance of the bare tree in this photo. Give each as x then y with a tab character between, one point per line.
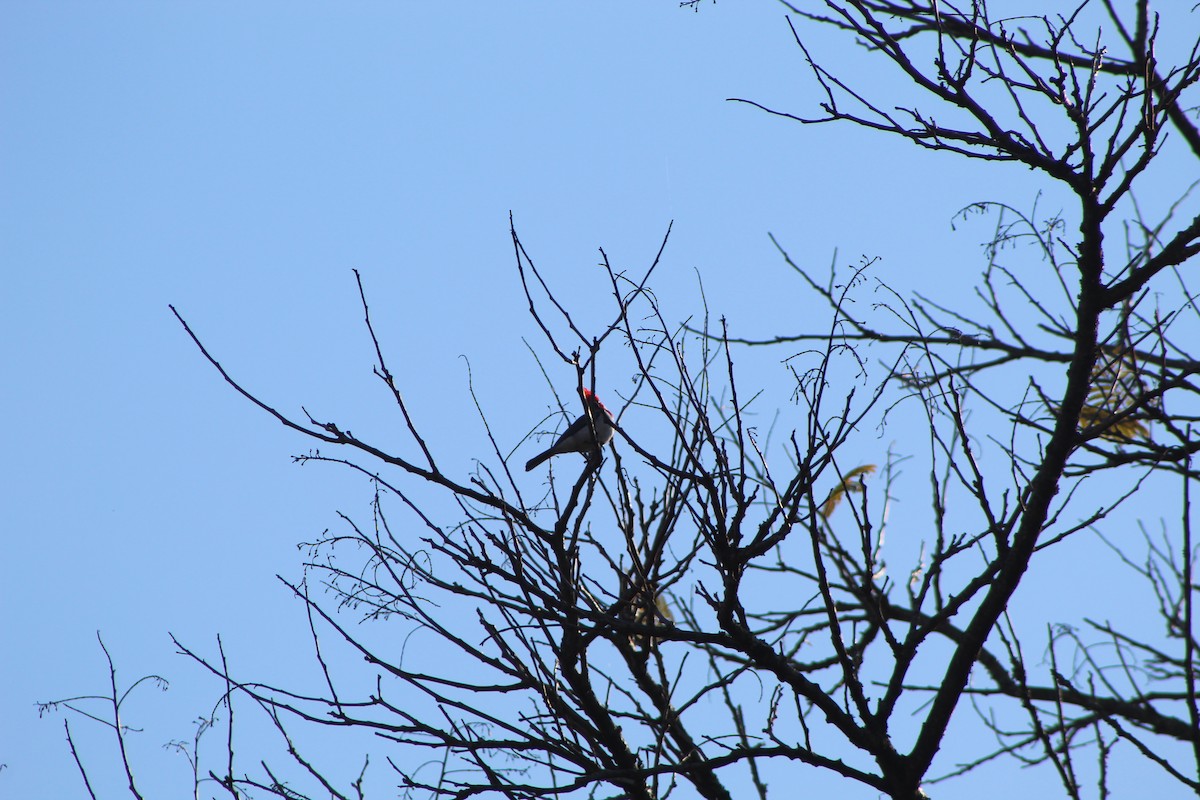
694	614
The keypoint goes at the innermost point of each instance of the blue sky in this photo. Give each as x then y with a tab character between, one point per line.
238	160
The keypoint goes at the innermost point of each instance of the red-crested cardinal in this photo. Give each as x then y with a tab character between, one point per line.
577	438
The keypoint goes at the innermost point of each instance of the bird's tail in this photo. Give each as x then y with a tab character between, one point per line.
532	463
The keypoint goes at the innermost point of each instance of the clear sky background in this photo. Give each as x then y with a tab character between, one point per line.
237	160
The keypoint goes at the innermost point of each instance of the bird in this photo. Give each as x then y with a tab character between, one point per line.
578	438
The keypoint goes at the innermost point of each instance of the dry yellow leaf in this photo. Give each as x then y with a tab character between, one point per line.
850	483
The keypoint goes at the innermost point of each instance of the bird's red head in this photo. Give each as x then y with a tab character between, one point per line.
591	398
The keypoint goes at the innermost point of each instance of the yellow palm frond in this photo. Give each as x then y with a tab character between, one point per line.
1123	431
1116	389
